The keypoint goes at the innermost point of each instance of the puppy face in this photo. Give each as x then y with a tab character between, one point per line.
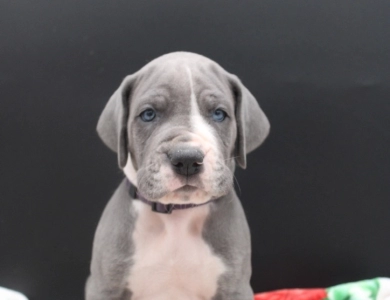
179	125
187	106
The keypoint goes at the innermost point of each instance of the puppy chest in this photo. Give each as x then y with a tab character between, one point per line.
171	260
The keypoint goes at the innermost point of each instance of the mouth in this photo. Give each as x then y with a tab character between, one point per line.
186	189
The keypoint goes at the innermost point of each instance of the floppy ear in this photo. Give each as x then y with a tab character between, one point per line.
252	124
112	124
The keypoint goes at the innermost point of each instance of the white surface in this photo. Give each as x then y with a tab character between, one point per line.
384	289
7	294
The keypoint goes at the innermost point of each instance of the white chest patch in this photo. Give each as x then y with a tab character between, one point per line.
171	260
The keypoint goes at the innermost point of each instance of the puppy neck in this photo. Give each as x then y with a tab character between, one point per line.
158	207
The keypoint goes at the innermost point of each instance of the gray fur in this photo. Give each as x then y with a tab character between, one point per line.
112	250
227	231
159	84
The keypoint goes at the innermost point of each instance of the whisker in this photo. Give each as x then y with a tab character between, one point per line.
239	188
149	165
230	158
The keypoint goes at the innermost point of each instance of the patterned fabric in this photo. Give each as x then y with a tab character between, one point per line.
372	289
293	294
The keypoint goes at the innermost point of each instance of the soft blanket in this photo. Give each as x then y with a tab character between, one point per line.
373	289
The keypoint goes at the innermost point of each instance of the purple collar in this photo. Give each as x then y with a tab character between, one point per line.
157	206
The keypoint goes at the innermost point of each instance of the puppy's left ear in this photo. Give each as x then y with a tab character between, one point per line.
252	124
112	124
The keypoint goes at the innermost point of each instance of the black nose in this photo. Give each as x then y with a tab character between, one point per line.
186	161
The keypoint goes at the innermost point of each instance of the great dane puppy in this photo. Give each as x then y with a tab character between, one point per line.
174	228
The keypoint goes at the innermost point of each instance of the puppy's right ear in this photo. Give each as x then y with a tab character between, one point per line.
112	124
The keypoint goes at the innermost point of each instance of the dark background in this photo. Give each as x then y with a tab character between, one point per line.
317	193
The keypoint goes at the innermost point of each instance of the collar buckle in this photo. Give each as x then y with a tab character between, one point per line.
162	208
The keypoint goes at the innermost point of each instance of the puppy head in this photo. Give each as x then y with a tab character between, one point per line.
179	125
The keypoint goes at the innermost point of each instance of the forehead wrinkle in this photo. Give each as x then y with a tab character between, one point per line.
212	101
220	84
166	84
212	87
152	81
159	93
172	85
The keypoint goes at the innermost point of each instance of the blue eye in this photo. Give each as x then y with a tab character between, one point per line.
219	115
148	115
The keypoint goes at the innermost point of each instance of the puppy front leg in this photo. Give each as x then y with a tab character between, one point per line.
97	291
241	293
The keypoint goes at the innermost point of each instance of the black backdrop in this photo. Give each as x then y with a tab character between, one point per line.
317	193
